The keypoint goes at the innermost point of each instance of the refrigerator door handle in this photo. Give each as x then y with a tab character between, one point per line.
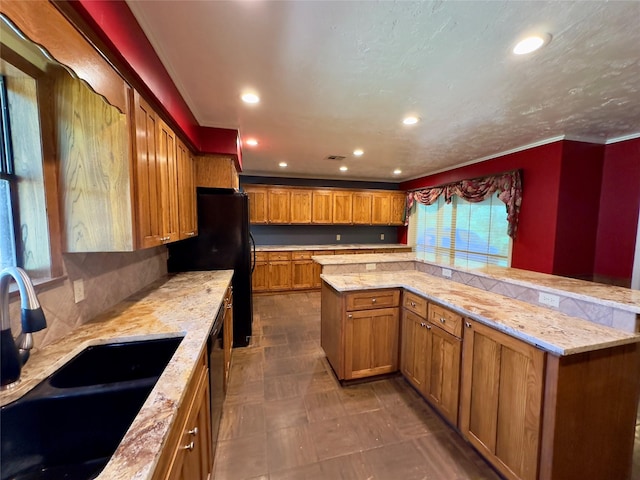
253	250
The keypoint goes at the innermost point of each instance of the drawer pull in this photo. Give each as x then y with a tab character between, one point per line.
193	432
189	447
442	320
467	324
413	304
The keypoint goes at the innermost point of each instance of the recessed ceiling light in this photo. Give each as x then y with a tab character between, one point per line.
252	142
343	168
358	152
282	164
397	171
250	98
410	120
531	44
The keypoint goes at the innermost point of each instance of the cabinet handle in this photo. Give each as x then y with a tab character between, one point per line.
189	446
373	300
422	324
467	324
193	431
349	316
428	327
413	304
442	320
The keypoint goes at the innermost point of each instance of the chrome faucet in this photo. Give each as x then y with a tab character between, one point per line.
15	354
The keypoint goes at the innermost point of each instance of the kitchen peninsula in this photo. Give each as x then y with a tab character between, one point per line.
539	393
179	305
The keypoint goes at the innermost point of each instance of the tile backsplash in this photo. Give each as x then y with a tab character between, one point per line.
108	279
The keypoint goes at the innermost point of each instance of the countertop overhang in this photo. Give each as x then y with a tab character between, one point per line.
184	304
552	331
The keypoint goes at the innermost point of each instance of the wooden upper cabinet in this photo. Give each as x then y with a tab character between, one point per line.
148	174
300	206
216	171
362	202
258	212
343	206
398	202
322	206
381	208
168	182
186	192
279	201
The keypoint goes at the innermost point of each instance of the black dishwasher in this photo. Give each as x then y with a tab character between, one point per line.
215	354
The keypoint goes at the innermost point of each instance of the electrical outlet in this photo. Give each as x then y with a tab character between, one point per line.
549	299
78	290
446	272
370	266
338	237
382	236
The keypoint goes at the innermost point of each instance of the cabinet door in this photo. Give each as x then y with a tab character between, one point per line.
279	200
317	268
413	350
371	342
168	182
343	207
257	204
302	274
322	205
260	277
381	209
149	199
280	275
187	192
500	408
443	352
216	171
398	202
362	202
301	206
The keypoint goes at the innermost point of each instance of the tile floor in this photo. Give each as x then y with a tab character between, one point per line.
286	417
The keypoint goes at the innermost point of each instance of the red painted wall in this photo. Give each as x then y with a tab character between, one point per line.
578	205
619	207
118	28
534	246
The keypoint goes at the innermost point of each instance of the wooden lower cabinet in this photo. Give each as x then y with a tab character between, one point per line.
501	404
188	454
260	275
413	351
302	271
279	276
360	343
317	268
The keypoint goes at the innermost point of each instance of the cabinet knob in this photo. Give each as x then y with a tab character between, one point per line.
191	234
413	304
189	446
422	324
373	300
349	316
467	324
193	431
442	320
428	327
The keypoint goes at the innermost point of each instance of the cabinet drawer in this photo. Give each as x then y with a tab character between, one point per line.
414	303
261	256
305	255
373	299
279	256
445	319
323	252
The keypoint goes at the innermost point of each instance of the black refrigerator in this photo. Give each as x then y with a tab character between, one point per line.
223	243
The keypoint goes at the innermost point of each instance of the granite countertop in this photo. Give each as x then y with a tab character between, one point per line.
180	305
341	246
551	331
618	297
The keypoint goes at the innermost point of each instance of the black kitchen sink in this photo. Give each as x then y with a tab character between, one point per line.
116	362
70	424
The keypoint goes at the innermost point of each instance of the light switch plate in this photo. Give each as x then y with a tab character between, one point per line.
446	273
382	236
338	237
78	290
549	299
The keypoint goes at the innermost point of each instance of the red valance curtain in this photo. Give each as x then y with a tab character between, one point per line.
508	185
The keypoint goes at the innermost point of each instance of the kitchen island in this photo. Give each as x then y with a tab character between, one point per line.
180	305
539	393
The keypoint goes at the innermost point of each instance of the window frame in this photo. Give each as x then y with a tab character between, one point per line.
45	104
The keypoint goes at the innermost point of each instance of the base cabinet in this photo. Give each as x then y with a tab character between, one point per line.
501	405
189	454
360	332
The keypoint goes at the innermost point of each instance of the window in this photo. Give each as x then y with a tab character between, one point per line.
461	232
28	192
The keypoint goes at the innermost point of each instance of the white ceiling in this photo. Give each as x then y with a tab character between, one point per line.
336	76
